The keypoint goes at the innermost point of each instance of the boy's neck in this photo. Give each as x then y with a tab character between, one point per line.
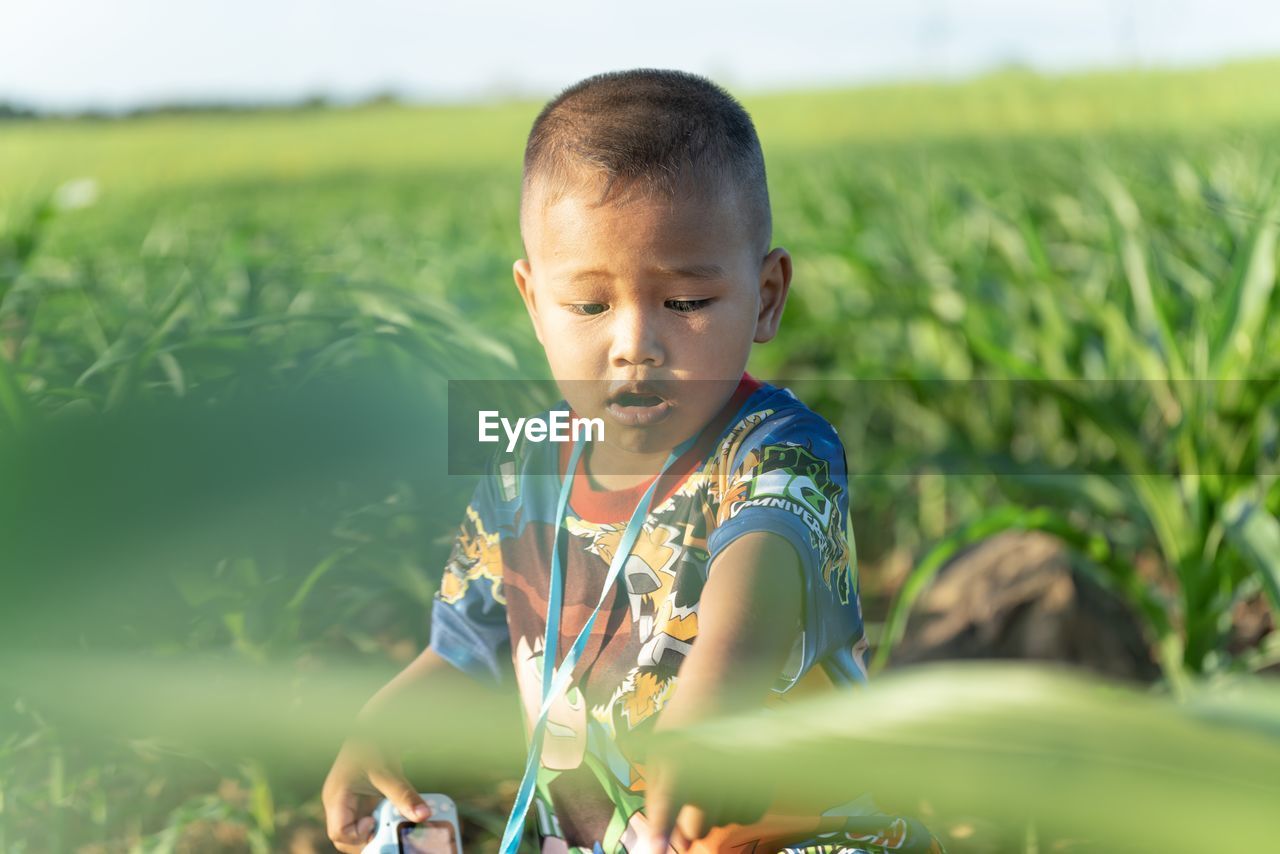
630	467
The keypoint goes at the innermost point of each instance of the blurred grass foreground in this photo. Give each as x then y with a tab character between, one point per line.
224	346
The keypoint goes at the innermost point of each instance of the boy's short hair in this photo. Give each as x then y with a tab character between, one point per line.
664	132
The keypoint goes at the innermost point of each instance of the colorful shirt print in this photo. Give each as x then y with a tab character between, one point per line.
778	467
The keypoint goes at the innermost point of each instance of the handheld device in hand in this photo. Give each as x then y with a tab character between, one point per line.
395	834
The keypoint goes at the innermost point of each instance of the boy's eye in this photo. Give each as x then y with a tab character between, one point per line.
586	307
687	305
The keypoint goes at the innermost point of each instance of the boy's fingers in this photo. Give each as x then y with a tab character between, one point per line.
664	808
364	828
679	842
692	822
659	844
402	795
347	834
661	814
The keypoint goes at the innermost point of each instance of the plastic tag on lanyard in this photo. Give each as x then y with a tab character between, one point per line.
556	679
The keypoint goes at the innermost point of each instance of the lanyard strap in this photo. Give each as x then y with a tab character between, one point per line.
556	679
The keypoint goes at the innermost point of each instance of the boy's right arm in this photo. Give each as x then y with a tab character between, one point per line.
366	766
468	656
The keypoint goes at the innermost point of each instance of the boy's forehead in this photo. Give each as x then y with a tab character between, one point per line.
590	187
576	217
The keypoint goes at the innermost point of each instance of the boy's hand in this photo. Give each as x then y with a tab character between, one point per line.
671	825
676	822
673	822
367	768
362	770
747	616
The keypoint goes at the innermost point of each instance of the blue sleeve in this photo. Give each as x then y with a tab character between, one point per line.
789	476
469	610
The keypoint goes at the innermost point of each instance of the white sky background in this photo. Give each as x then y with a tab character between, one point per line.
115	54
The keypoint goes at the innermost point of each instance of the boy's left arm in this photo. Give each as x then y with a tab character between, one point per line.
748	615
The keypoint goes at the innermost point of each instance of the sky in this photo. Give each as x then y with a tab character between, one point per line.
77	54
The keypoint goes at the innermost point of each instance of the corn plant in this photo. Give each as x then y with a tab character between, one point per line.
1112	364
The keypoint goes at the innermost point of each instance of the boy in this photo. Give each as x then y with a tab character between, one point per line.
646	222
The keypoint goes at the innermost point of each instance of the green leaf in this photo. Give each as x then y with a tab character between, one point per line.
1255	534
13	403
1152	322
1124	769
1093	491
1249	298
294	606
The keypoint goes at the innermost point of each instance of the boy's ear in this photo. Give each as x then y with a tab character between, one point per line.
523	274
775	282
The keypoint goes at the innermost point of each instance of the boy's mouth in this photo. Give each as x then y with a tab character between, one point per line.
638	405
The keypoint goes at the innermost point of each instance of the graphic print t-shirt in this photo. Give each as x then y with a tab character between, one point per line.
765	463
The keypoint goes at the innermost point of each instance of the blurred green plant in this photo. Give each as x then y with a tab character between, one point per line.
1112	768
1085	357
1079	758
192	464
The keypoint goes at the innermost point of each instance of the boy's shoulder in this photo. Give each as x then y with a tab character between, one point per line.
522	483
776	429
781	467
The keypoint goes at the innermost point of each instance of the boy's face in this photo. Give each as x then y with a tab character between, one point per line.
670	292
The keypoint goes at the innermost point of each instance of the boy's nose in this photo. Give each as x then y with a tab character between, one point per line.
635	340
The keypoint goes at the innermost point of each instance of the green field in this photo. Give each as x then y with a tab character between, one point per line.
1025	303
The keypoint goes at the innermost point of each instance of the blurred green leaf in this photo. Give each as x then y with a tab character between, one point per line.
1256	534
1124	770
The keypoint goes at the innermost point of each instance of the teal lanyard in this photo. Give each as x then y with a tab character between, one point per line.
556	679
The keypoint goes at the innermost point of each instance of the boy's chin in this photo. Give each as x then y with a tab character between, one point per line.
640	441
